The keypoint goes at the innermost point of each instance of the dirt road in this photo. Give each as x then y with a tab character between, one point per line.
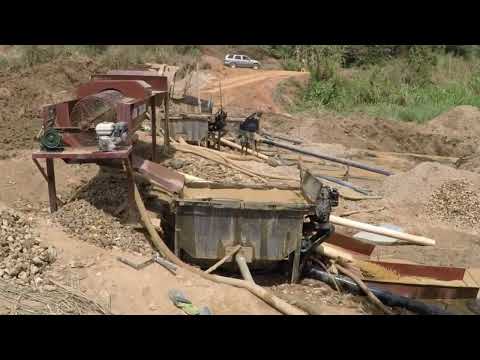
248	89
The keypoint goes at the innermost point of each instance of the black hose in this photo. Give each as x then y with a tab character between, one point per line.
385	297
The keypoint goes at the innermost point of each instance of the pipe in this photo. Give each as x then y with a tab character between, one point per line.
385	297
412	239
329	158
242	265
343	183
294	141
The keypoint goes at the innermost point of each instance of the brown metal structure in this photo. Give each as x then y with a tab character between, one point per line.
125	96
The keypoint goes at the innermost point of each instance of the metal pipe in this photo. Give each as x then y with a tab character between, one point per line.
326	157
294	141
242	265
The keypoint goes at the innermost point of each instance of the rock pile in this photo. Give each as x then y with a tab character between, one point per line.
22	256
108	190
84	221
456	202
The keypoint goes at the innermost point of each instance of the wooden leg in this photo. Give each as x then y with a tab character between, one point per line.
154	130
42	171
131	213
52	191
166	141
296	260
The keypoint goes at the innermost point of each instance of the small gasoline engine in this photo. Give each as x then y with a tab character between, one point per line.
110	135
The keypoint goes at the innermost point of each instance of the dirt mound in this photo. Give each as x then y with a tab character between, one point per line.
461	120
30	89
22	256
364	132
415	187
456	202
86	222
470	163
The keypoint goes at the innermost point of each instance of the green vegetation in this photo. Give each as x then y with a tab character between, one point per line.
406	82
411	83
111	56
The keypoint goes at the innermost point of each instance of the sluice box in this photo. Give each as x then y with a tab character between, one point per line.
212	218
192	129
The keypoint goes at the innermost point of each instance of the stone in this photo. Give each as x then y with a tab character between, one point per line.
37	261
177	164
33	269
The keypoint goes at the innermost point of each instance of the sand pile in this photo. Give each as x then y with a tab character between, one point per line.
456	202
463	121
415	187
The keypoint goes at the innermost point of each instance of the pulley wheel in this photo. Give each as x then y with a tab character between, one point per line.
51	139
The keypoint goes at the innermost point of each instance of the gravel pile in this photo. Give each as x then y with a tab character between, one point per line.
456	202
208	170
84	221
107	190
22	256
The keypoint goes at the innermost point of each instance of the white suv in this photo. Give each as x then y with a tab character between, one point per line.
234	60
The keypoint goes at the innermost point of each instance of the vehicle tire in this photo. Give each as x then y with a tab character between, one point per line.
233	66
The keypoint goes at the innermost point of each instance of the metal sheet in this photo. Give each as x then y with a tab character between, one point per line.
136	89
157	82
191	129
442	273
168	179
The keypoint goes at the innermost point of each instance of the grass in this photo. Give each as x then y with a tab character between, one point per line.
111	56
398	90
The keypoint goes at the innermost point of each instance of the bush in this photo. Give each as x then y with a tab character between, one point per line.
403	89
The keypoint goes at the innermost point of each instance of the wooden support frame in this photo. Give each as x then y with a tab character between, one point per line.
52	190
131	213
42	171
154	129
296	260
166	129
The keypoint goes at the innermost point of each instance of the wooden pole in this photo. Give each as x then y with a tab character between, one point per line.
42	171
365	289
413	239
238	147
131	216
222	260
198	92
52	191
244	270
166	130
154	129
